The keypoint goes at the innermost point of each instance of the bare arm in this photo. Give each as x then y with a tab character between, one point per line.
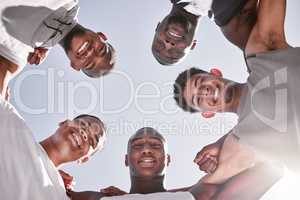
86	195
268	32
238	30
250	184
7	70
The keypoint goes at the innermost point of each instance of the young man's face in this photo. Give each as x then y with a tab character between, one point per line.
89	52
79	138
147	156
205	92
173	40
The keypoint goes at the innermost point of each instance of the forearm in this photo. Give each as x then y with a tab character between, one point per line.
268	32
234	158
202	191
86	195
238	30
250	184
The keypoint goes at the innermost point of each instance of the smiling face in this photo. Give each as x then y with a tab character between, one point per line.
146	154
79	138
173	39
88	51
206	92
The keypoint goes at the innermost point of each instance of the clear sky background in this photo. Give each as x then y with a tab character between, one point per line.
138	93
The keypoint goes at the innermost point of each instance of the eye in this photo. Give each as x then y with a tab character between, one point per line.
137	146
156	146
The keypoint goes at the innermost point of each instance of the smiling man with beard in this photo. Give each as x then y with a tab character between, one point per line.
147	158
174	36
36	25
29	169
267	104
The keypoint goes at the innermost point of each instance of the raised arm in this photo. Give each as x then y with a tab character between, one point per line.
238	30
268	32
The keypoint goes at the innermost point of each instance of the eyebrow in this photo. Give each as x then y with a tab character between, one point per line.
140	138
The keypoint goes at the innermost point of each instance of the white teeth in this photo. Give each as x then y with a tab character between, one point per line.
147	160
174	34
83	46
216	94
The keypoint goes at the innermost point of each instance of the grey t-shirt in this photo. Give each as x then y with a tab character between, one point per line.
269	109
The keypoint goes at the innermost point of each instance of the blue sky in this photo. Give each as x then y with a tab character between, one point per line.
138	93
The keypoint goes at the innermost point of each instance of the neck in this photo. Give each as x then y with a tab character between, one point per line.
238	90
50	147
143	185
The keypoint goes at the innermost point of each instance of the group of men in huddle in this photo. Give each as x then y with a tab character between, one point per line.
243	164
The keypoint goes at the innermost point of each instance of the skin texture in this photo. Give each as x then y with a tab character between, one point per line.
74	140
7	70
174	36
169	50
88	51
267	35
207	92
238	29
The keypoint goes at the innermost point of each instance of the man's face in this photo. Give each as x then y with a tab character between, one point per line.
89	52
146	156
173	40
79	138
206	92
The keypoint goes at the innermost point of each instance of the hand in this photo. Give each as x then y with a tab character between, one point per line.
207	158
38	56
68	181
87	195
112	191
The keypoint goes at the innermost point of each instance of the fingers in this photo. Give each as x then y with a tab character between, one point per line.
209	166
37	56
68	180
65	175
112	191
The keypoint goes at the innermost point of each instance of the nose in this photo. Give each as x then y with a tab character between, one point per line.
84	134
205	90
169	43
146	150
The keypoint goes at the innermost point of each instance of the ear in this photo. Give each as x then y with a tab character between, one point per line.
126	160
168	159
63	122
194	44
216	72
102	35
157	26
83	160
208	114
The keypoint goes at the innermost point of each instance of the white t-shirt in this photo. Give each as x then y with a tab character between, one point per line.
26	24
269	113
154	196
197	7
26	171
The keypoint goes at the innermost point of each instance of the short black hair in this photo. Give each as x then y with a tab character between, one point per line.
180	84
145	130
96	118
